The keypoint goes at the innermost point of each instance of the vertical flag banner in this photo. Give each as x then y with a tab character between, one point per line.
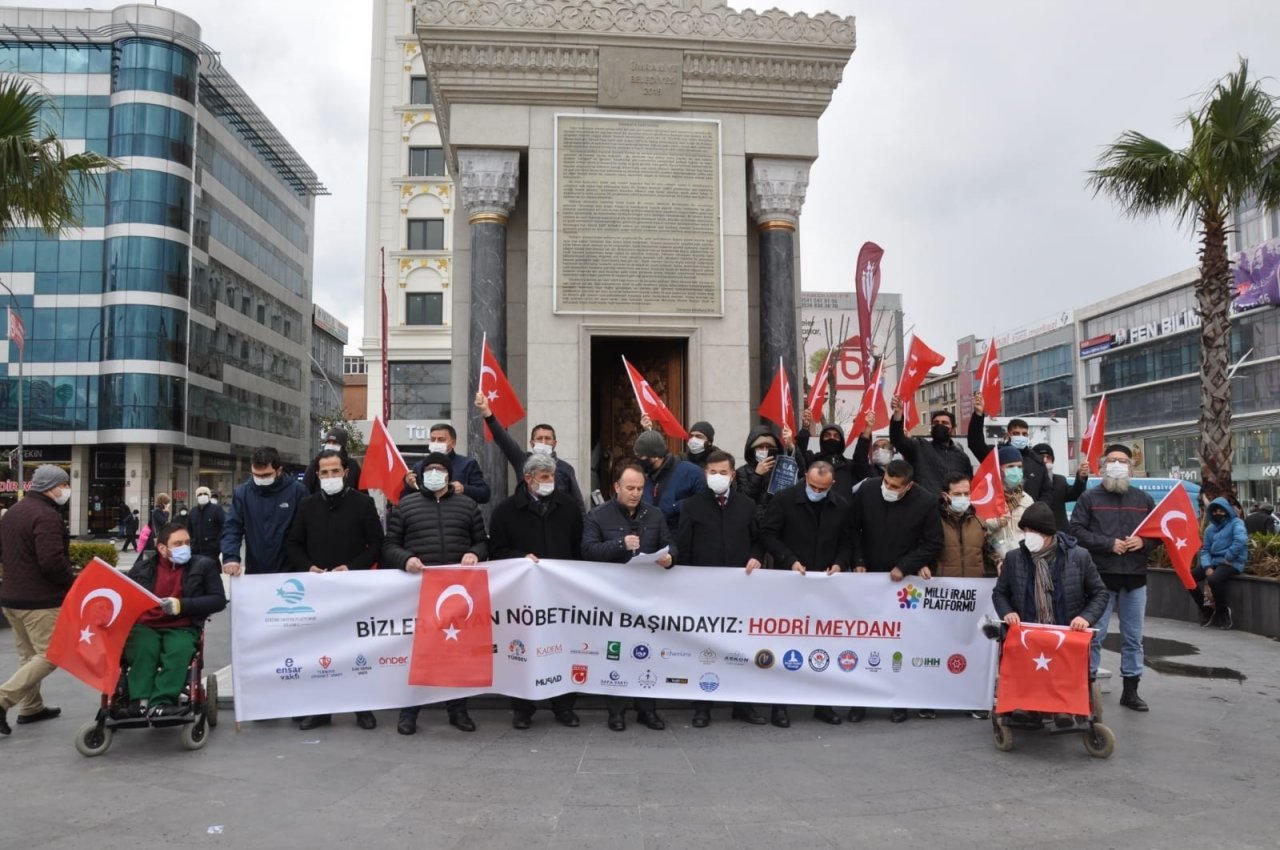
384	468
386	367
818	392
1044	668
1095	437
1174	522
989	380
777	406
17	332
867	284
987	489
652	406
453	638
920	359
94	623
503	400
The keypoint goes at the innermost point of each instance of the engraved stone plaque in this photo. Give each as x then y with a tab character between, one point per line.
638	216
640	78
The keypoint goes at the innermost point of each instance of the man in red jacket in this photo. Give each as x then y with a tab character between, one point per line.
37	575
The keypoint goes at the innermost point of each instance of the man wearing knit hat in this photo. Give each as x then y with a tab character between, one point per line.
33	547
701	443
668	480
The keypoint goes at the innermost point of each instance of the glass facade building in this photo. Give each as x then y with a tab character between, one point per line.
165	336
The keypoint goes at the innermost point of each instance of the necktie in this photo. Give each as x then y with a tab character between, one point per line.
722	499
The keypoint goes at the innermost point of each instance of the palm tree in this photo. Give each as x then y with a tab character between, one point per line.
40	184
1231	160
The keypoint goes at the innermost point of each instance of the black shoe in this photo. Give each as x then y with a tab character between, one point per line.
898	715
651	719
778	717
4	722
366	720
827	715
45	713
1129	696
133	710
1224	622
1063	721
168	709
701	718
857	715
927	714
461	721
747	714
568	718
1206	615
520	720
315	721
980	715
617	722
407	724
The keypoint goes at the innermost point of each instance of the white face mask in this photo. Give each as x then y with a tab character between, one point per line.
64	496
542	449
546	488
1033	541
959	504
434	480
332	486
438	448
762	455
718	482
1118	470
202	500
1048	467
890	495
264	480
882	457
696	445
332	447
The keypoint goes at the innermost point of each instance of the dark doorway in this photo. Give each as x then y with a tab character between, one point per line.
615	416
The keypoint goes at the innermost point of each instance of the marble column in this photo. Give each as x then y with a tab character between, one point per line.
488	181
775	196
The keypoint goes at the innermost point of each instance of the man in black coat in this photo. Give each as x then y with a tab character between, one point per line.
433	525
1035	478
336	529
335	440
205	523
806	527
617	531
1262	520
1060	492
542	441
896	530
831	448
539	521
934	458
718	528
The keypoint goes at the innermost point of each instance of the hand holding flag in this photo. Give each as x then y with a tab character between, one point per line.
1044	668
989	381
1174	522
652	406
920	359
873	404
987	489
1095	437
503	401
453	639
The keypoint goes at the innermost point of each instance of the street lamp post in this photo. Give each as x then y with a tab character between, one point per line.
22	358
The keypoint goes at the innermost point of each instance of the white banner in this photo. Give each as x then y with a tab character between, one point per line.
314	644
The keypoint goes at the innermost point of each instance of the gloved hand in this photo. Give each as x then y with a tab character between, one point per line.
172	606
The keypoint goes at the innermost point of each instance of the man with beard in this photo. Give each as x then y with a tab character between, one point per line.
935	457
335	440
1104	521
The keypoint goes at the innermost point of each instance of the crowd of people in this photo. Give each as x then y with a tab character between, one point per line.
899	505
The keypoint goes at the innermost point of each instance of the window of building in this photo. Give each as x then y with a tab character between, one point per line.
426	234
426	162
420	391
354	366
419	91
424	308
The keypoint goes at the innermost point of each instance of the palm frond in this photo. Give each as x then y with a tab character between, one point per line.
1142	175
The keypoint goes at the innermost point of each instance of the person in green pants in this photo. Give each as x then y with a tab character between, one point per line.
161	644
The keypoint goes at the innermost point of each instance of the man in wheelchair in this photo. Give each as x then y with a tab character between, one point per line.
162	643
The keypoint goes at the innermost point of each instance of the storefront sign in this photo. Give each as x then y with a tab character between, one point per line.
41	454
217	462
183	457
1183	320
108	466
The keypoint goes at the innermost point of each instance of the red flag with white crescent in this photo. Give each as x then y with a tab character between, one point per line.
383	468
1044	668
453	638
1174	522
818	391
777	406
989	381
920	359
872	400
1095	437
503	401
987	489
652	406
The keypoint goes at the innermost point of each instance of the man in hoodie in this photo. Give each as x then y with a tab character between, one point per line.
335	440
1059	491
831	447
760	455
1103	522
206	521
871	454
542	441
1035	479
668	480
1004	533
934	458
262	510
1223	555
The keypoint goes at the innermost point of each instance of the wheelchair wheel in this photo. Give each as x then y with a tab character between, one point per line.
1003	737
1100	741
211	700
195	735
92	740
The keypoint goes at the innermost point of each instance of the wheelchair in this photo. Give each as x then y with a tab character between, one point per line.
198	700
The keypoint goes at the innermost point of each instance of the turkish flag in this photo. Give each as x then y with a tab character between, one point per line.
94	622
920	359
987	489
872	400
777	405
17	331
818	391
384	469
503	400
1044	668
989	381
1174	522
453	639
910	414
652	406
1095	436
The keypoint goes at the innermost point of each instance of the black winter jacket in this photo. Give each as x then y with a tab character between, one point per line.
311	478
817	534
1060	492
906	534
202	593
747	482
566	475
933	463
608	524
810	448
329	531
1101	518
33	549
1078	590
1035	477
437	530
709	536
550	527
205	523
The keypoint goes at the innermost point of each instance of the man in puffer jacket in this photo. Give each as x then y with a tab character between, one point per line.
1222	557
434	525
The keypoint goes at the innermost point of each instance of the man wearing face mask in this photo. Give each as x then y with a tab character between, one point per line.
206	521
1035	479
870	454
542	442
163	641
668	480
831	447
1104	521
701	443
1060	493
1223	556
37	575
262	510
806	528
1004	533
335	440
759	458
465	478
966	552
718	528
934	458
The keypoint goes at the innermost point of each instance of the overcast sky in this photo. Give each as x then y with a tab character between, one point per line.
958	141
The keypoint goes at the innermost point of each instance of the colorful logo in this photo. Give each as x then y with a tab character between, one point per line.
647	679
873	662
709	682
516	647
765	659
640	651
897	662
956	663
848	660
668	653
579	674
793	660
819	660
325	661
291	593
613	650
909	597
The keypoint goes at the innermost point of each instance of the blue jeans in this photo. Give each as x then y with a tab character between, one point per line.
1132	607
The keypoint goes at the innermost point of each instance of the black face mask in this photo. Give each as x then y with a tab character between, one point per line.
1218	517
940	433
832	447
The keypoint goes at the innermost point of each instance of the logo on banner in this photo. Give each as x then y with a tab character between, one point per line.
709	682
793	660
675	680
640	651
615	680
324	672
392	660
579	674
951	599
325	661
848	660
585	649
291	593
550	680
919	661
909	597
554	649
289	671
707	656
647	679
668	654
956	663
516	650
873	662
361	667
737	659
819	660
765	659
613	650
897	662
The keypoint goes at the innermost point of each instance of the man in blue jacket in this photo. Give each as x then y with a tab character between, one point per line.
261	512
465	478
1222	557
668	479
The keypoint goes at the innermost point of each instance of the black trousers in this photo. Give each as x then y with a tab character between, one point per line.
559	705
618	705
450	705
1222	576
